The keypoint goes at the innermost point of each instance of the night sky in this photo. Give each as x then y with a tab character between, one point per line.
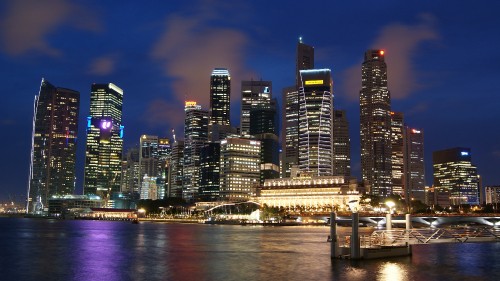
443	64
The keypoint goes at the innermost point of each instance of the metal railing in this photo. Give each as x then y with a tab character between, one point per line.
381	238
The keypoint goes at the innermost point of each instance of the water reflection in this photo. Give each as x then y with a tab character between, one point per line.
97	250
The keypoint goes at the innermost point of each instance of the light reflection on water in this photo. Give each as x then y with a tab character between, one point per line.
98	250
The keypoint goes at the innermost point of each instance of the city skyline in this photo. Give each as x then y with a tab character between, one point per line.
422	45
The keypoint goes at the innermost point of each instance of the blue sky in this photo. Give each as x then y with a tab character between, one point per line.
442	58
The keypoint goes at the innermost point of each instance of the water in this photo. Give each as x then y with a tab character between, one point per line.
38	249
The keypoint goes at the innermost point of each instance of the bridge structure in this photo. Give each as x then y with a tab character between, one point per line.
391	242
427	220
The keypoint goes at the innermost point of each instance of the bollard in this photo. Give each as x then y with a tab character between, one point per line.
408	221
334	247
355	247
388	222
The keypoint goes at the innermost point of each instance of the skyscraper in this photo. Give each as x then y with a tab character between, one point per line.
220	97
164	157
341	144
455	177
264	127
210	172
304	60
375	124
104	140
175	176
398	153
290	138
53	152
130	171
148	158
239	168
195	137
414	171
253	94
316	122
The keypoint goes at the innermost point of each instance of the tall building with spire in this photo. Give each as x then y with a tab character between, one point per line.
104	140
290	109
316	122
53	151
375	124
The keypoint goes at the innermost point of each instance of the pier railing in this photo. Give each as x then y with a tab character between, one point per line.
401	237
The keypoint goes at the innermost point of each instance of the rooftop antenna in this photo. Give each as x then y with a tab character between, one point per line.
173	133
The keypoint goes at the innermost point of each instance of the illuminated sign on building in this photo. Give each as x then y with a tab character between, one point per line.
464	153
105	124
314	82
190	103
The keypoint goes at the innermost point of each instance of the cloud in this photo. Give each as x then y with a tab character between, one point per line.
400	43
103	66
163	114
192	46
26	24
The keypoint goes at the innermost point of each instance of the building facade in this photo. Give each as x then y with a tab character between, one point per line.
53	151
414	171
148	158
104	140
210	172
290	109
316	122
398	153
175	169
253	94
195	137
375	124
239	168
309	194
455	176
341	145
220	97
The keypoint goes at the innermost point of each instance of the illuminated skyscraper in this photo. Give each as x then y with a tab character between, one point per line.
414	171
195	137
455	177
175	176
210	172
341	144
375	124
398	153
253	94
148	159
316	122
53	152
104	140
164	157
290	104
220	97
130	171
239	168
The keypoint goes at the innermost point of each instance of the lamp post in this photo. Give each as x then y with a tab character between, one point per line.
388	217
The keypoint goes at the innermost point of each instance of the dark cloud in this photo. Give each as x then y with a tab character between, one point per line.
26	24
400	43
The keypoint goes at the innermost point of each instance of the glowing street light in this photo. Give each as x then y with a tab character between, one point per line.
391	205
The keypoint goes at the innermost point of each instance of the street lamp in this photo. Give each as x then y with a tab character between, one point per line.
391	205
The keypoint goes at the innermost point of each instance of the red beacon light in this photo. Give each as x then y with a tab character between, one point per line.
382	52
